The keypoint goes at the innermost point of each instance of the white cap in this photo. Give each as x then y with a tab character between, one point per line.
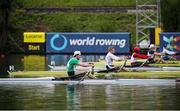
77	53
152	46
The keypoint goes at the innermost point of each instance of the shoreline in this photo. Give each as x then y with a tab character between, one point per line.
119	75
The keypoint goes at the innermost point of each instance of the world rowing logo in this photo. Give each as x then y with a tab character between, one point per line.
58	42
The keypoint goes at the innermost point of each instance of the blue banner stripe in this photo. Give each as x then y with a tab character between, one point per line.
87	42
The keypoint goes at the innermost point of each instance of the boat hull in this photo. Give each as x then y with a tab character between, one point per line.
48	80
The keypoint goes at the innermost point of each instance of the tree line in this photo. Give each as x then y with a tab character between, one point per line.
169	12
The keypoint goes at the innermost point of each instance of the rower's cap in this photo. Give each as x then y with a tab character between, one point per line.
136	49
77	53
152	46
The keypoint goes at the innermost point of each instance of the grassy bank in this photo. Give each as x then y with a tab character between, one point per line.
127	75
76	22
139	75
118	63
21	74
145	75
64	3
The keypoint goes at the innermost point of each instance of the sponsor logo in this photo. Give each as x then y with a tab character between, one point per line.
34	37
90	43
172	42
57	38
98	42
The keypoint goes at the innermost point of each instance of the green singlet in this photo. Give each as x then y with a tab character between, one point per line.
70	65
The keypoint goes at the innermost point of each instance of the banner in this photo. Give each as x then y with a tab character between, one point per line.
170	41
34	47
34	37
87	42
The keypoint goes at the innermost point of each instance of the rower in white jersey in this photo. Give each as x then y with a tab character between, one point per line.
152	53
109	59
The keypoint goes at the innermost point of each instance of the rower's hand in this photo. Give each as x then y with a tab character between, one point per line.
92	64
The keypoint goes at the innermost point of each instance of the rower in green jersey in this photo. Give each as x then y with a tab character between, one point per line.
76	62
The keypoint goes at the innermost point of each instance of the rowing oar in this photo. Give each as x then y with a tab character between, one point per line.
142	65
92	68
123	65
87	73
117	69
10	74
91	72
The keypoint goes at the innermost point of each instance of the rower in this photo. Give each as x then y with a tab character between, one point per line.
109	59
135	56
152	53
75	61
166	54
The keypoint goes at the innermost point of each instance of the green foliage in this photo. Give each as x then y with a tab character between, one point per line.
88	22
125	75
72	22
22	21
64	3
170	15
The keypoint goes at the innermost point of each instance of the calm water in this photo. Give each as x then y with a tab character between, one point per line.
53	96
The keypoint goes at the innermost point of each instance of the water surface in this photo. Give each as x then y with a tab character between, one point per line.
54	96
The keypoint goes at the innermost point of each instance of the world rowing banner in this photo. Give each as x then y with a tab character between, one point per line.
87	42
170	41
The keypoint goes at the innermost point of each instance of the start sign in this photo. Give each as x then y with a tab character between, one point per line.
34	37
34	47
34	42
